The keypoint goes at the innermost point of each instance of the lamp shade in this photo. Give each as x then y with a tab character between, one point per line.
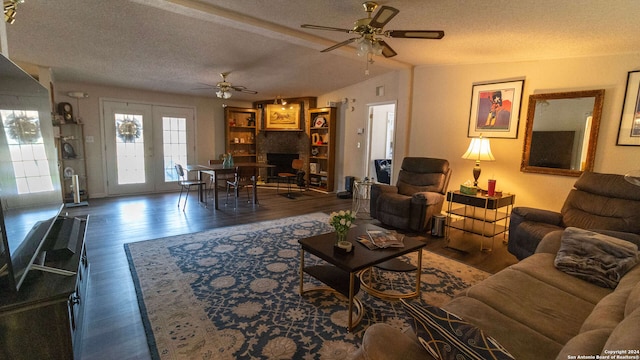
479	149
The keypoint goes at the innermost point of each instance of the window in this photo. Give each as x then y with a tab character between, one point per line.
174	140
27	151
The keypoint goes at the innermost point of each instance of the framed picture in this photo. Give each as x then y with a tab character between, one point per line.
280	117
629	130
495	109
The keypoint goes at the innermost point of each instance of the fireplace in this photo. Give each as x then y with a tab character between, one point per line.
282	163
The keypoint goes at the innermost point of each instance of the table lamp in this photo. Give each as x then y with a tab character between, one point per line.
479	149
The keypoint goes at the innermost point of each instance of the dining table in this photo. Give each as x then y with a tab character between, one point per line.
216	171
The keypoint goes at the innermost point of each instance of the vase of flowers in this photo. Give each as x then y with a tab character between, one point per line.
341	222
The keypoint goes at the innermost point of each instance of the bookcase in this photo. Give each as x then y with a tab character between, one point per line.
240	134
322	135
71	153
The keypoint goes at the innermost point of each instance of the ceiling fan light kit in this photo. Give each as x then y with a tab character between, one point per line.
224	89
370	29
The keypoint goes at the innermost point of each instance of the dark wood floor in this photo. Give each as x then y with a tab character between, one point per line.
114	327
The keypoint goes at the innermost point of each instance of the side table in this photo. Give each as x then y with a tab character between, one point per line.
361	197
487	216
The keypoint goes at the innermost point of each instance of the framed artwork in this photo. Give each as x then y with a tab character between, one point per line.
629	130
280	117
495	109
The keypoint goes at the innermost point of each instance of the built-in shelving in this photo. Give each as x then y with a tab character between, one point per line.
241	133
322	135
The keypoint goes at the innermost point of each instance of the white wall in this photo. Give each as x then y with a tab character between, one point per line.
441	101
209	123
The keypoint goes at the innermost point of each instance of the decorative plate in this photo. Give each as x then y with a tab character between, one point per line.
67	151
69	172
320	121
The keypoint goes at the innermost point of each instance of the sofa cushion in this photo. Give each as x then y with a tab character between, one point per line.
587	343
377	340
446	336
587	210
394	209
614	307
633	302
595	257
625	336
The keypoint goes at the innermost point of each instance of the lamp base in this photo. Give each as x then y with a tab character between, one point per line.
476	173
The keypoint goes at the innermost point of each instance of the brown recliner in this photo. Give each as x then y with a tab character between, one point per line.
597	202
417	196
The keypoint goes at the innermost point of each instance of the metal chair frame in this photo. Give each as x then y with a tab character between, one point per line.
243	177
185	184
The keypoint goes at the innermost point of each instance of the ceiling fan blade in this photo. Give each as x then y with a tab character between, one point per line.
383	16
416	34
243	89
346	42
320	27
387	51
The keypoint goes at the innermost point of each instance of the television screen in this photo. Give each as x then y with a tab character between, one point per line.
30	192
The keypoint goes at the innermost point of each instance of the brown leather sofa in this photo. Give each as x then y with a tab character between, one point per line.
418	194
598	201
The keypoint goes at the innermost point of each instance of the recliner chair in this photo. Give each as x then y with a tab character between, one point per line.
597	202
417	196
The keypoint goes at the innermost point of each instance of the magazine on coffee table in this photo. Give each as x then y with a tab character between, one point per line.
381	239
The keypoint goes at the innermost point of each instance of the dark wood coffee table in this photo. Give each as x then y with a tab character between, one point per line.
341	272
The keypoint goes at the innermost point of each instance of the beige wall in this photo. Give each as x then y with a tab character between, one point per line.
442	97
432	118
208	112
351	160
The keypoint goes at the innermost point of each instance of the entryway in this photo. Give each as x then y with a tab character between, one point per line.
381	137
143	142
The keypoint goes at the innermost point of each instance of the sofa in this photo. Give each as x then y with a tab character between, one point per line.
536	311
598	201
418	194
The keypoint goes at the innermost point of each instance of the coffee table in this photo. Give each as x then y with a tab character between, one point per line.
340	274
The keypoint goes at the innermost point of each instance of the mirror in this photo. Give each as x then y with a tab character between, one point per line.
562	132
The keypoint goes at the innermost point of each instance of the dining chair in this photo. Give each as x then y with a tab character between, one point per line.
222	178
244	177
185	184
289	177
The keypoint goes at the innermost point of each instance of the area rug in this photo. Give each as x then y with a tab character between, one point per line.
233	293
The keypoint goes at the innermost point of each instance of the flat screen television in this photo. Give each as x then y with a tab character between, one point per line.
30	190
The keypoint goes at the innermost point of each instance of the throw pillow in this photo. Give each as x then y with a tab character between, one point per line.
446	336
595	257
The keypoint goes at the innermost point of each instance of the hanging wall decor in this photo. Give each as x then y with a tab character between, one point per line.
129	130
24	129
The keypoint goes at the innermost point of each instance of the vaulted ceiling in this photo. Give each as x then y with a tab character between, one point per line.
176	46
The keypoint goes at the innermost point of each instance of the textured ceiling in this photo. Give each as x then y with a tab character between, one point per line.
177	45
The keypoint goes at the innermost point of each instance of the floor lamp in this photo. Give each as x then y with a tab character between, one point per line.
479	149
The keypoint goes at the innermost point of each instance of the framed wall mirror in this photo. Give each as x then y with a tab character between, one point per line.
562	132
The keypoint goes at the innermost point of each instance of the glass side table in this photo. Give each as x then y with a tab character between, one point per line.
361	198
487	216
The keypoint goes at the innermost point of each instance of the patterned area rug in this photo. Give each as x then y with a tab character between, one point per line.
232	293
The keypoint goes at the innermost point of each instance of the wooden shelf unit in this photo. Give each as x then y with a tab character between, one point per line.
74	162
322	156
241	133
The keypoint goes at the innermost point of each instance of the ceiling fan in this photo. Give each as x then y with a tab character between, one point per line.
370	29
224	88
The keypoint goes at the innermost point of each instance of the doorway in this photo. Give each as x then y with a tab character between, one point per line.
381	140
143	142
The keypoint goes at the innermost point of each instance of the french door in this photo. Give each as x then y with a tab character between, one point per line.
143	143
